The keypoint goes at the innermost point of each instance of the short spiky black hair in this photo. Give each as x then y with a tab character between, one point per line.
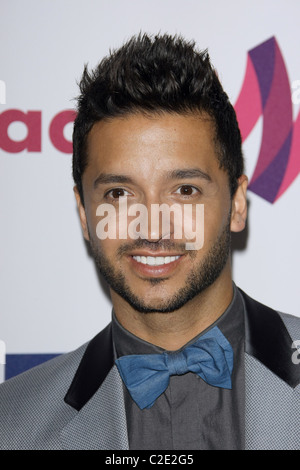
152	75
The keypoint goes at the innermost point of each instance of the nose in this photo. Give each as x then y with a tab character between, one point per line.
160	226
156	220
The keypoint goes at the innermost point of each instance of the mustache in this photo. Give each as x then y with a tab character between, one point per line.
161	245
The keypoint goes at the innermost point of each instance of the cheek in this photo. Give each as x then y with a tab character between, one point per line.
108	221
90	211
109	247
215	219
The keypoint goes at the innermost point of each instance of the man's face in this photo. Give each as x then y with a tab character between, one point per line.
168	159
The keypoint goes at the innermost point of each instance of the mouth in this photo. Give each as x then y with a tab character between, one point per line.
154	266
155	260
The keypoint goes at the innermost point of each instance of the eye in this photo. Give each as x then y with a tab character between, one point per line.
187	190
116	193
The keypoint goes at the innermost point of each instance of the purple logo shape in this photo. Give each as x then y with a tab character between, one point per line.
266	92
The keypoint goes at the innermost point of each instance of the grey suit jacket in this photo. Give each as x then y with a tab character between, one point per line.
75	401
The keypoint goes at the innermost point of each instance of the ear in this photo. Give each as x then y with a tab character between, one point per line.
239	206
82	214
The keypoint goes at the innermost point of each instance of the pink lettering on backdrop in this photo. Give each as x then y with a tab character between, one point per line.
56	131
32	120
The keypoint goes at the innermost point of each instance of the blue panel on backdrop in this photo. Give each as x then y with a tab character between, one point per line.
17	363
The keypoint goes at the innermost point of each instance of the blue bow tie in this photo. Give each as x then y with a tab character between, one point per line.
147	376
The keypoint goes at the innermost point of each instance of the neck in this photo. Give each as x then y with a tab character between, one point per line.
173	330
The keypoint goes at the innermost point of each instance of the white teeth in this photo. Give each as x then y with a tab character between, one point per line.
151	260
155	260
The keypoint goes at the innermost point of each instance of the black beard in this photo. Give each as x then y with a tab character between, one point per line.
200	278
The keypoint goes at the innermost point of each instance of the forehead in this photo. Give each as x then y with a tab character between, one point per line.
157	142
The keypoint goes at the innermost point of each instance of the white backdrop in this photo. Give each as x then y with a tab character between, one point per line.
51	300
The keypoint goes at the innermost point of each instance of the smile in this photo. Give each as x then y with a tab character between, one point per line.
155	260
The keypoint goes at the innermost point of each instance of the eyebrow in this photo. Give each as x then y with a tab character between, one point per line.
112	178
108	178
189	173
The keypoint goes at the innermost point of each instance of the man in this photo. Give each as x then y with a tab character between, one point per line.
189	361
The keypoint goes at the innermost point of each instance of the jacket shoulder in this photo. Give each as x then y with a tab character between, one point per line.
52	369
37	404
262	312
265	329
32	399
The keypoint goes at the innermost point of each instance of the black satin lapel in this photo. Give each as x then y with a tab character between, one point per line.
268	340
95	364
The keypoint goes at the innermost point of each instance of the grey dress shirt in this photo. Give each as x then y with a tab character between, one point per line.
190	414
